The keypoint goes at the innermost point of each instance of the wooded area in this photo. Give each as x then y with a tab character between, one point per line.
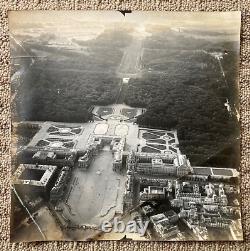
182	87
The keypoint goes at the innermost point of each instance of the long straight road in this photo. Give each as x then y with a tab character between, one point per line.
130	66
131	61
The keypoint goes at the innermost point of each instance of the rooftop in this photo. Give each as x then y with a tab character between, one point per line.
35	175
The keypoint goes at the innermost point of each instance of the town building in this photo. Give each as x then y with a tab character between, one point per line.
58	190
163	227
178	166
85	160
34	180
60	158
157	171
153	192
147	210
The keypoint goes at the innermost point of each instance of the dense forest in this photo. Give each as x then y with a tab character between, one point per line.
64	84
184	89
203	124
184	86
64	96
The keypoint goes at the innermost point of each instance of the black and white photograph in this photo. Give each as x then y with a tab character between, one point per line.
125	126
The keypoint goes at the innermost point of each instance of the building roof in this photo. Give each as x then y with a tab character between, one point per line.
34	175
44	155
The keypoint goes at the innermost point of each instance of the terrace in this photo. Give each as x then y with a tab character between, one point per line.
158	141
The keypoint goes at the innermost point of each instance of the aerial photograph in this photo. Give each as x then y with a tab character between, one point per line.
125	126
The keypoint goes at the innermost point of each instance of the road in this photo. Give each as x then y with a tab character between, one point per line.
130	66
42	227
131	61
